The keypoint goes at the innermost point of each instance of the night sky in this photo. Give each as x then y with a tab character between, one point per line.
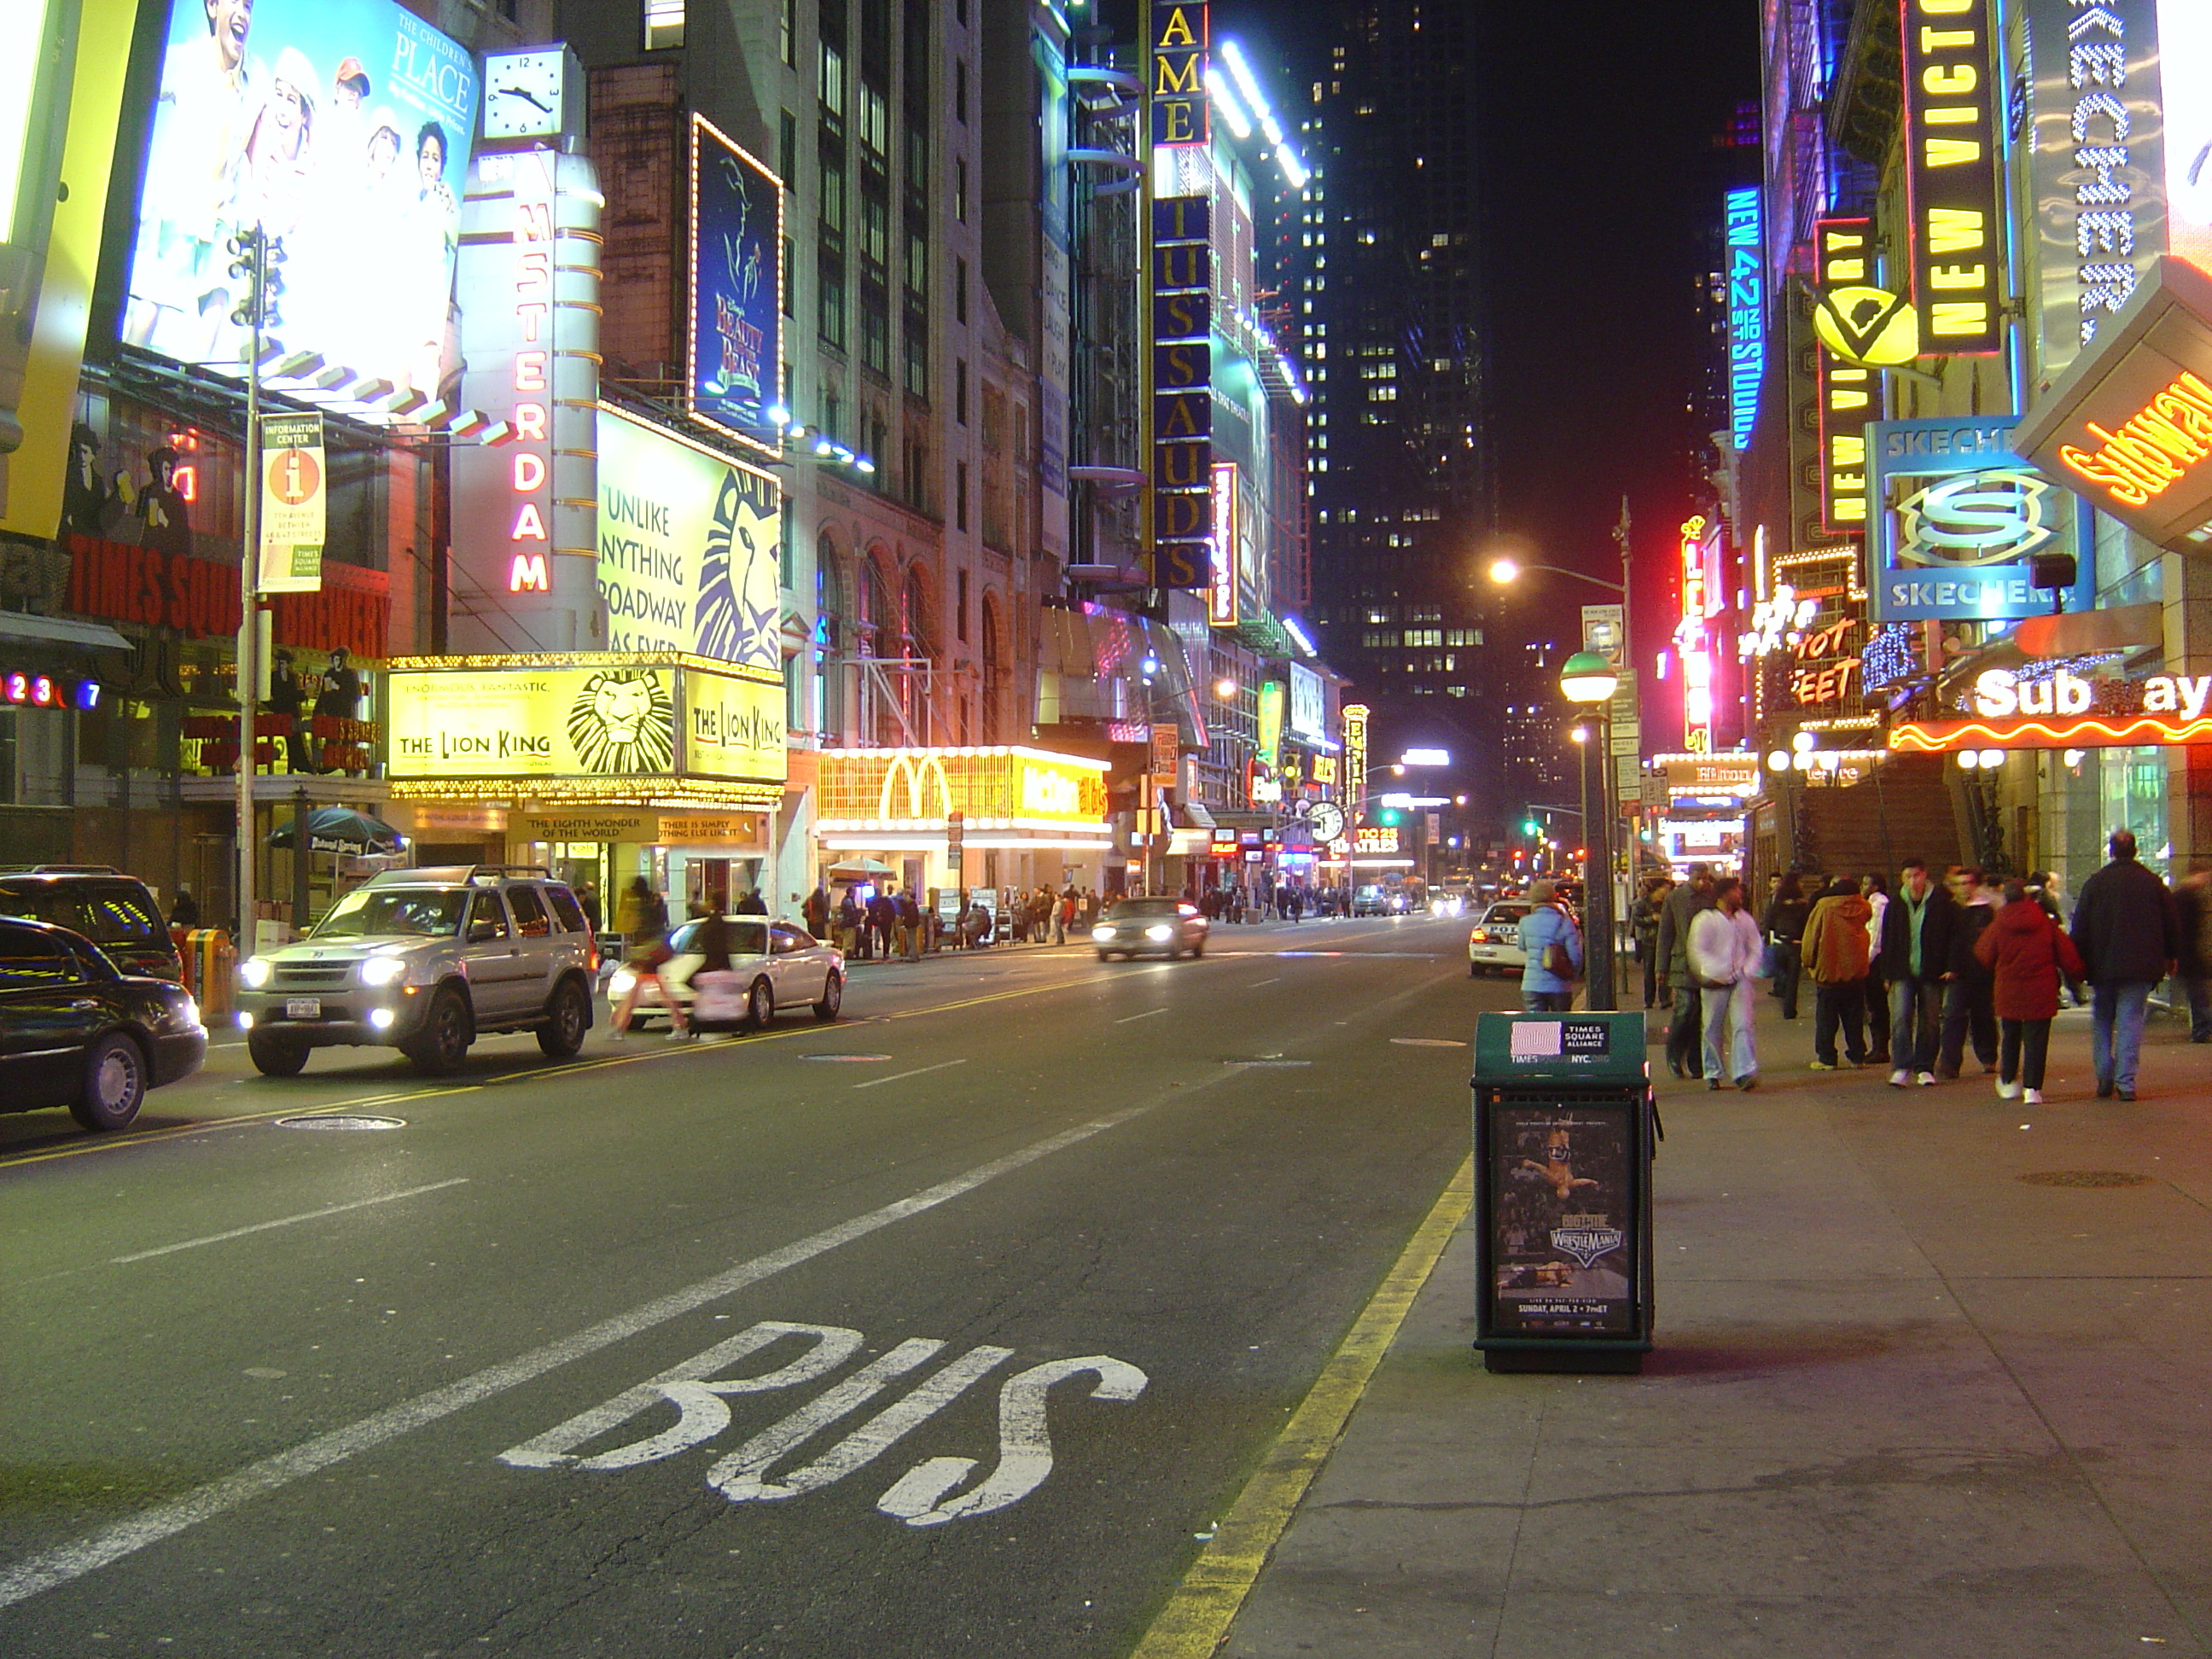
1597	123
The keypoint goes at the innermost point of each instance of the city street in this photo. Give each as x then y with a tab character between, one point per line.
1031	1256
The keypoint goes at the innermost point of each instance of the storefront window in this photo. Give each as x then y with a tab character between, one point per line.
2128	566
2131	794
34	757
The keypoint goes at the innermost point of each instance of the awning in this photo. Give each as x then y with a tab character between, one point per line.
2121	631
16	626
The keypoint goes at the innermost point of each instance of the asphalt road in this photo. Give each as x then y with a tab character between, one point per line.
1058	1244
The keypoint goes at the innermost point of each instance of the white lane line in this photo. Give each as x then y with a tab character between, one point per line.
1257	983
285	1221
1147	1014
71	1561
878	1082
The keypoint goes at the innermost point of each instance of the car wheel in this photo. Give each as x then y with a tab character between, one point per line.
833	996
114	1084
1199	948
447	1030
561	1035
274	1057
760	1005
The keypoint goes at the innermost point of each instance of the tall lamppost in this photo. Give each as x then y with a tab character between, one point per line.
252	252
1588	681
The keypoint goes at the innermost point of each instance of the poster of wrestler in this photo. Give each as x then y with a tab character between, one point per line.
1560	1243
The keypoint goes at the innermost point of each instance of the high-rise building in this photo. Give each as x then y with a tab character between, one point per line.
1385	287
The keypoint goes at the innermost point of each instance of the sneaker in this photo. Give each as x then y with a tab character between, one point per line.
1820	1065
1898	1080
1926	1079
1747	1082
2034	1097
679	1036
2008	1090
2127	1094
1712	1083
2105	1090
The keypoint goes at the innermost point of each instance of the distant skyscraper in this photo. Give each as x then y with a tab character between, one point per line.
1384	283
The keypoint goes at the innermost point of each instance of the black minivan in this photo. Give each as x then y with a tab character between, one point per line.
114	911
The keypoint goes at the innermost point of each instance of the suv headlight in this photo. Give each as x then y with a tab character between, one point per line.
254	970
383	970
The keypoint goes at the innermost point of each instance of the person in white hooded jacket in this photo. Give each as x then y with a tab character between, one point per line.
1724	957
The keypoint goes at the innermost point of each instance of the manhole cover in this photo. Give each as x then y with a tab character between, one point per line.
2085	1178
341	1121
1428	1042
848	1059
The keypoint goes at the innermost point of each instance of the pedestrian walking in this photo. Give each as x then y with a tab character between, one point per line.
1726	950
1967	998
587	896
646	952
853	927
815	913
1644	929
2050	891
2026	955
1684	1043
2127	930
1874	888
185	912
1552	947
1783	926
1916	952
2192	903
1836	953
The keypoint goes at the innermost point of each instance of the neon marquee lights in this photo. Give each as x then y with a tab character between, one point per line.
1746	312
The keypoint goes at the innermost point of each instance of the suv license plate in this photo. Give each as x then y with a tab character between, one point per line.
304	1008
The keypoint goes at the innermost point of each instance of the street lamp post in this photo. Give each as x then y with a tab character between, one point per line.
1588	681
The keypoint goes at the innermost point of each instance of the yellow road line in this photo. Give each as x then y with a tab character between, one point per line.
1197	1616
304	1109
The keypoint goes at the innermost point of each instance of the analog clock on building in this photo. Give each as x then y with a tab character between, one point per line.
523	95
1327	821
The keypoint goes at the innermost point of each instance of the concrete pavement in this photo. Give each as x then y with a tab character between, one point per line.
1910	1397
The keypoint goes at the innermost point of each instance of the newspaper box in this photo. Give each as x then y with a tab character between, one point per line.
1563	1125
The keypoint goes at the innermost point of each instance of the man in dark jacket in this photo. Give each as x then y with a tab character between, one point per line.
1968	1000
2192	900
2128	934
1686	1032
1916	926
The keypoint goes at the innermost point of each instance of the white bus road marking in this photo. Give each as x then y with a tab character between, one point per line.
50	1568
923	1497
1147	1014
285	1221
897	1076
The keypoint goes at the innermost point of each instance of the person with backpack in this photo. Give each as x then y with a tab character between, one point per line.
1552	946
1726	948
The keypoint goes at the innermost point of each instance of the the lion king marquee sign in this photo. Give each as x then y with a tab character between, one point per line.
597	727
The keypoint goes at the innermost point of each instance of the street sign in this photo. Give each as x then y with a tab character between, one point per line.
956	832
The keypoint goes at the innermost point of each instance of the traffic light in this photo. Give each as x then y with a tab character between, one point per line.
1388	817
1527	826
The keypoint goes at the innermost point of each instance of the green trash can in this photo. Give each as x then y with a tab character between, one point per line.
1564	1121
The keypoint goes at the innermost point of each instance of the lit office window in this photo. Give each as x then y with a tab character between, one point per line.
664	24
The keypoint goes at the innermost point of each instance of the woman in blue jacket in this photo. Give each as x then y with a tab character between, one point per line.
1547	924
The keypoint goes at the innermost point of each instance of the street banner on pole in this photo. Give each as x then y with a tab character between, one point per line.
293	497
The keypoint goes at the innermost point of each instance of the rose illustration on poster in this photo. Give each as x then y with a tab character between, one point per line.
342	127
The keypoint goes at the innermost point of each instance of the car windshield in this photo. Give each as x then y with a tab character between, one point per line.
1130	910
381	912
1505	913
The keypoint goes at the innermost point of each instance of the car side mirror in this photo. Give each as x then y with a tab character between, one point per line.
483	933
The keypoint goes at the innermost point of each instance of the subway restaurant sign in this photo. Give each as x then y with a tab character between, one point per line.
597	720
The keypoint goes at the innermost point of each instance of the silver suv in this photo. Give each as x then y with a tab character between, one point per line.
422	961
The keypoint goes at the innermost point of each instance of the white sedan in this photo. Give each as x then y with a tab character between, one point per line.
1494	944
777	967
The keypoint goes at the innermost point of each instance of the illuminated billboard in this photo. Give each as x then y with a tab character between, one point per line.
735	345
342	127
1746	312
1182	393
1954	514
1842	252
689	551
1951	174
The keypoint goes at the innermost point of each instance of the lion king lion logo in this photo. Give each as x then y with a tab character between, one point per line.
624	720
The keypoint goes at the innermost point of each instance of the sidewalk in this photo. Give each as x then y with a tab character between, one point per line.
1902	1403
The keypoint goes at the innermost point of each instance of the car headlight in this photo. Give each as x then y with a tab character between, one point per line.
1101	932
254	970
383	970
1161	932
620	984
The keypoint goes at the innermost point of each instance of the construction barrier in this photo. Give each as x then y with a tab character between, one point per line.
209	966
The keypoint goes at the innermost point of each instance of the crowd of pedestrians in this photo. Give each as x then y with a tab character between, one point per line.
1912	980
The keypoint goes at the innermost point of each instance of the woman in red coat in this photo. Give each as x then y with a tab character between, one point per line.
2027	951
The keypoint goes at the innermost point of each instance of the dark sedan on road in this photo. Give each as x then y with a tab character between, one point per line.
1150	926
74	1032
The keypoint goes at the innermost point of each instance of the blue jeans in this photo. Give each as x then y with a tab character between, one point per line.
2116	1008
1916	1023
1546	1002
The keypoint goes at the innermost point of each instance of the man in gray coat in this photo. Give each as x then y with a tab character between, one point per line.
1686	1030
2129	932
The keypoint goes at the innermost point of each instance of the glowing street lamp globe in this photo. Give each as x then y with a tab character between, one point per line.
1503	571
1588	677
